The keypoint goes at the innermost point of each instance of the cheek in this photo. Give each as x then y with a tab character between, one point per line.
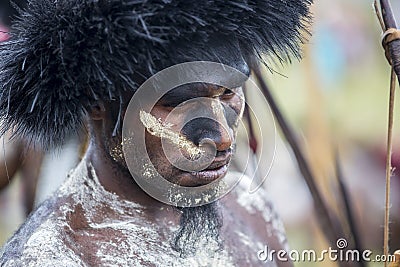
156	154
234	112
153	144
239	103
152	140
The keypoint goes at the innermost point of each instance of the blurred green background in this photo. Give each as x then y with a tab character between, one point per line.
336	99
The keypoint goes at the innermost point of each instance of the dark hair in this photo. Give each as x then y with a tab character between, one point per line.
64	55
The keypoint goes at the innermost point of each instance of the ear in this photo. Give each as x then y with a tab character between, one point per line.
97	111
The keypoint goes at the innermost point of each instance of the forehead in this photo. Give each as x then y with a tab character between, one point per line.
211	78
192	90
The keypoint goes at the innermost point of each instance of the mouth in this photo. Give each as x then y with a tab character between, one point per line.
209	175
217	169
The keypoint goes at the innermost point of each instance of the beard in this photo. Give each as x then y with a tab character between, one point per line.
198	225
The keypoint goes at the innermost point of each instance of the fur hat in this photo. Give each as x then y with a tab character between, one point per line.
64	55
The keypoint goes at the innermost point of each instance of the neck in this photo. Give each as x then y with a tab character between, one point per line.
116	179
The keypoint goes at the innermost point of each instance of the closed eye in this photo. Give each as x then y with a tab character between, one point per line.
228	93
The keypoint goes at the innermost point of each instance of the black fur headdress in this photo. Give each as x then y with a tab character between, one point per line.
64	55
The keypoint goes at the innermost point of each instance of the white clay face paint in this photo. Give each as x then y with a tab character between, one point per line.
157	128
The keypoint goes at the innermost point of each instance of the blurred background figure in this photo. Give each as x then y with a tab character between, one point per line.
14	159
27	175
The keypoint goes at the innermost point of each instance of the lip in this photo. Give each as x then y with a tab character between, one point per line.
209	175
217	169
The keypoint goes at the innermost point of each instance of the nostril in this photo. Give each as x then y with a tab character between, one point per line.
224	153
207	142
209	146
218	142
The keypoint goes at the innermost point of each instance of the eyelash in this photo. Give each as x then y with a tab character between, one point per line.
228	93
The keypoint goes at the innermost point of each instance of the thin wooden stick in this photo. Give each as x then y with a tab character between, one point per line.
378	14
389	163
348	208
331	229
392	49
253	144
252	137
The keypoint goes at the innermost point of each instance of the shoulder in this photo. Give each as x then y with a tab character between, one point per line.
40	240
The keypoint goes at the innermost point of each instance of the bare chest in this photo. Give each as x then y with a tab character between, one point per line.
147	244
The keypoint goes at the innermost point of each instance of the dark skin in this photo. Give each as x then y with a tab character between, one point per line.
228	103
115	177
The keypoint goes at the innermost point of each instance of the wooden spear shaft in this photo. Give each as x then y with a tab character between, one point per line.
394	46
330	227
387	21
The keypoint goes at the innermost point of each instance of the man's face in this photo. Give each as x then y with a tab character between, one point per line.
194	117
188	119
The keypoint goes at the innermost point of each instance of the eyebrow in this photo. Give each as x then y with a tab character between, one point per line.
183	93
189	91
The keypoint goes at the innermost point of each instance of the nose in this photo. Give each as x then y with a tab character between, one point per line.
224	142
208	131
